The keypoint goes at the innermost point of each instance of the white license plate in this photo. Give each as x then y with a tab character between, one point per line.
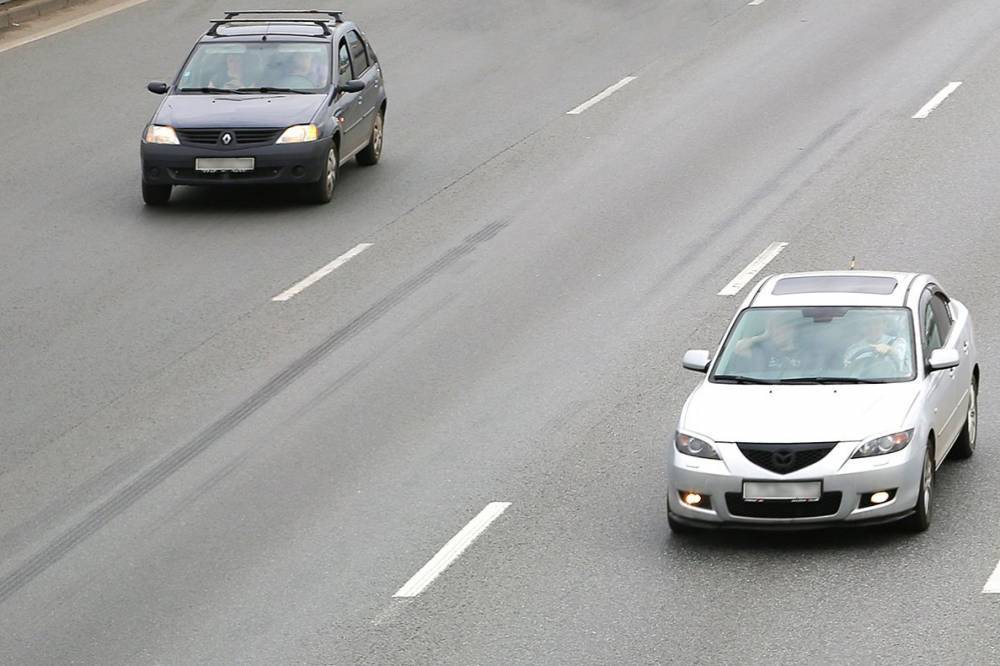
799	491
214	164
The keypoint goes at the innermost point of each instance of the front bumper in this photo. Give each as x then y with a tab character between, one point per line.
845	482
273	164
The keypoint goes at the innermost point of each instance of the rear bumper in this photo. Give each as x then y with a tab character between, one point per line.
273	164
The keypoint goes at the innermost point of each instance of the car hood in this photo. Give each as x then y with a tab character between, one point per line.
231	111
800	413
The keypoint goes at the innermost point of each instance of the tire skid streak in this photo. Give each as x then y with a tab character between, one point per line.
161	471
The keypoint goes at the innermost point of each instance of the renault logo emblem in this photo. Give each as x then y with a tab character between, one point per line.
227	139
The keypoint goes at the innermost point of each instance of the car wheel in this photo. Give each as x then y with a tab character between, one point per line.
156	195
921	519
321	191
373	151
966	444
678	527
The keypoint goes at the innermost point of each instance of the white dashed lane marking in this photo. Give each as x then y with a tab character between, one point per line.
318	275
754	267
935	101
607	92
993	584
451	550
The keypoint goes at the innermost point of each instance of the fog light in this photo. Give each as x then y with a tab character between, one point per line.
298	171
876	498
154	172
695	499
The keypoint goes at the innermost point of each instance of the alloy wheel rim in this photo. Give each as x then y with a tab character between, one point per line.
928	483
972	422
377	131
331	172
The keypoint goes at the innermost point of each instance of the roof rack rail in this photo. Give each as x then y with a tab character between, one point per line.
336	15
279	16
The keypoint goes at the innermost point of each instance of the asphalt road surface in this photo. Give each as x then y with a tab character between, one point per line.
191	472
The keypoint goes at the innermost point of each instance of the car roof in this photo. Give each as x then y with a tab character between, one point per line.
269	28
860	288
284	23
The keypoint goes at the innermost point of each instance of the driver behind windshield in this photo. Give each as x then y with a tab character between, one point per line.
877	345
304	71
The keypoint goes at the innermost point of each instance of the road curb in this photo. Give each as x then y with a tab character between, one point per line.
25	10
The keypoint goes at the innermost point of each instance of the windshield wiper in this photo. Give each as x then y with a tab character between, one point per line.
739	379
209	90
270	89
828	380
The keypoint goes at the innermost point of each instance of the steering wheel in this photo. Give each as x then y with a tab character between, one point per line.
867	358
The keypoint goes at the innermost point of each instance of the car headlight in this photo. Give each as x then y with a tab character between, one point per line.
299	134
883	445
161	134
693	446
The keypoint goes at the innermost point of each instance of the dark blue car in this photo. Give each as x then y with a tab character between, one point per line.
267	97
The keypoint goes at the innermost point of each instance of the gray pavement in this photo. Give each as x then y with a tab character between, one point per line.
191	473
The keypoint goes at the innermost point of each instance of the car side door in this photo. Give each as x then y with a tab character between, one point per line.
955	333
369	73
939	383
348	106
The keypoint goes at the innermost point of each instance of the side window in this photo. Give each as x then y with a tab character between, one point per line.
344	63
929	330
940	307
358	53
372	59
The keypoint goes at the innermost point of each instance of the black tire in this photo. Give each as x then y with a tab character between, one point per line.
156	195
321	191
373	151
966	444
678	527
921	519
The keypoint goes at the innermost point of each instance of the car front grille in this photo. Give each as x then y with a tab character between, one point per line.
256	135
241	137
827	505
201	136
785	458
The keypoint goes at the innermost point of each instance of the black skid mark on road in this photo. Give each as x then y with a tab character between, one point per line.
161	471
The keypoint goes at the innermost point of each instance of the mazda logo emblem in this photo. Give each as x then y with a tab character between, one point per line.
783	459
227	138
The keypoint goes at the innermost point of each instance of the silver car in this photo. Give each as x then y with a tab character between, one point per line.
833	399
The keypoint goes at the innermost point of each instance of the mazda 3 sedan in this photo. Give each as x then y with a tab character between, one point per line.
832	400
267	97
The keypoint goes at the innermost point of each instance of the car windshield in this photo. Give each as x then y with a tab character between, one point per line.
258	66
836	345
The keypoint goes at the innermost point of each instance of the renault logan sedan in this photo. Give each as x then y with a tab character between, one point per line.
833	399
267	97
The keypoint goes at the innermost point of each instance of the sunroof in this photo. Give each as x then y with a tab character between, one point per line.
835	284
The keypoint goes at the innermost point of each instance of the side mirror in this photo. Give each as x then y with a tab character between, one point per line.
697	360
352	86
943	359
158	87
